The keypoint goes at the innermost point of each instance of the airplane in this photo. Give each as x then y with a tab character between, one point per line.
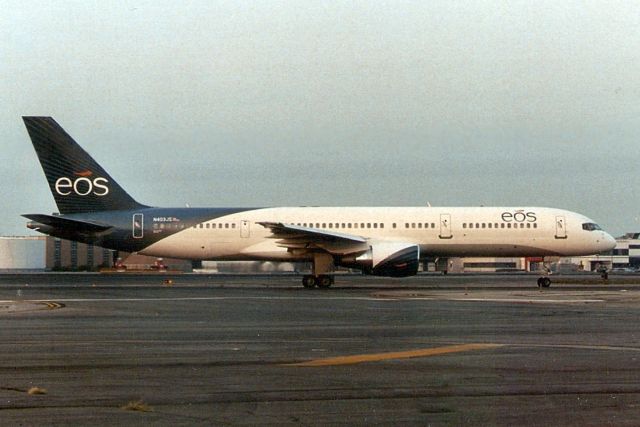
380	241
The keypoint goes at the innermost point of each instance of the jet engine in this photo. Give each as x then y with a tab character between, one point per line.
389	259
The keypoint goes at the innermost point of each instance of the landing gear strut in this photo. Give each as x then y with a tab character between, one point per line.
322	264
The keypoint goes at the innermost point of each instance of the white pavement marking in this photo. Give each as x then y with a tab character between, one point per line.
203	299
315	298
526	300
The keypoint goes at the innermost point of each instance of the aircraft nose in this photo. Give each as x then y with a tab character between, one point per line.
607	242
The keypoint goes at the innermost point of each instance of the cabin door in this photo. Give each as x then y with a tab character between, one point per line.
561	227
445	226
138	226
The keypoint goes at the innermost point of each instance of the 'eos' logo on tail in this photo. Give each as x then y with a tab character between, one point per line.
83	185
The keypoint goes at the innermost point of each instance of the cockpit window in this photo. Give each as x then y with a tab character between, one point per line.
590	226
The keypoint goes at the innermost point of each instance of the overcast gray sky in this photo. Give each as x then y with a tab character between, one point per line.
270	103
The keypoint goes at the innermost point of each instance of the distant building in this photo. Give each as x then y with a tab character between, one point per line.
41	253
135	261
22	253
626	254
477	265
68	255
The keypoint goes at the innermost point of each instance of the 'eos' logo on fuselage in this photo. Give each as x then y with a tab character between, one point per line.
519	216
82	186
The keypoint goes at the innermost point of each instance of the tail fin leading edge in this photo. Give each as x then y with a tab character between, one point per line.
78	183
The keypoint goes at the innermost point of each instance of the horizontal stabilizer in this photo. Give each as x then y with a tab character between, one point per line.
68	224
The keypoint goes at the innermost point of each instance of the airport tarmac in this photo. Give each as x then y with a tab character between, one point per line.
227	350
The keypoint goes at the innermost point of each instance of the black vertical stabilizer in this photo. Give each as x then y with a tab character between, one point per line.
78	183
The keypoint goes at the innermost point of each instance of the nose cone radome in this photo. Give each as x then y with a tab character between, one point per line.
607	242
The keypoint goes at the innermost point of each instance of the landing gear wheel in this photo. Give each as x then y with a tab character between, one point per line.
324	281
309	282
544	282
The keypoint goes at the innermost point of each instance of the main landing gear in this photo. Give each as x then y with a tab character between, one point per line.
322	281
322	264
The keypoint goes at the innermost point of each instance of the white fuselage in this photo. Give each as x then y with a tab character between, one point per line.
439	231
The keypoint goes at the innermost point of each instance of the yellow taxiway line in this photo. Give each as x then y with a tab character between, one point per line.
361	358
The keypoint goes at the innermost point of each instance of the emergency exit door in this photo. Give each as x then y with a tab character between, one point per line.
245	231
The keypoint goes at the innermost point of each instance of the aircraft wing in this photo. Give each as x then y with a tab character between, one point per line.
305	238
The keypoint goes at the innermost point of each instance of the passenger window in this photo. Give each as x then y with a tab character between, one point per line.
382	225
535	225
393	225
464	225
484	225
419	225
375	225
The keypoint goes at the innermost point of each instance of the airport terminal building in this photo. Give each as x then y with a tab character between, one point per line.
625	256
21	253
44	253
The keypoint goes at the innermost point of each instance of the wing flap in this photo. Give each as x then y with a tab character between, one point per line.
295	237
293	232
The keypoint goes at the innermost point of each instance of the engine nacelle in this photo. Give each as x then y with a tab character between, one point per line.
386	259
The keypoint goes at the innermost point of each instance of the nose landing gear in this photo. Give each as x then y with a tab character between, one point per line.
544	282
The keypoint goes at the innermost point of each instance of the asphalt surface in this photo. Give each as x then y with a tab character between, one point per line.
228	350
